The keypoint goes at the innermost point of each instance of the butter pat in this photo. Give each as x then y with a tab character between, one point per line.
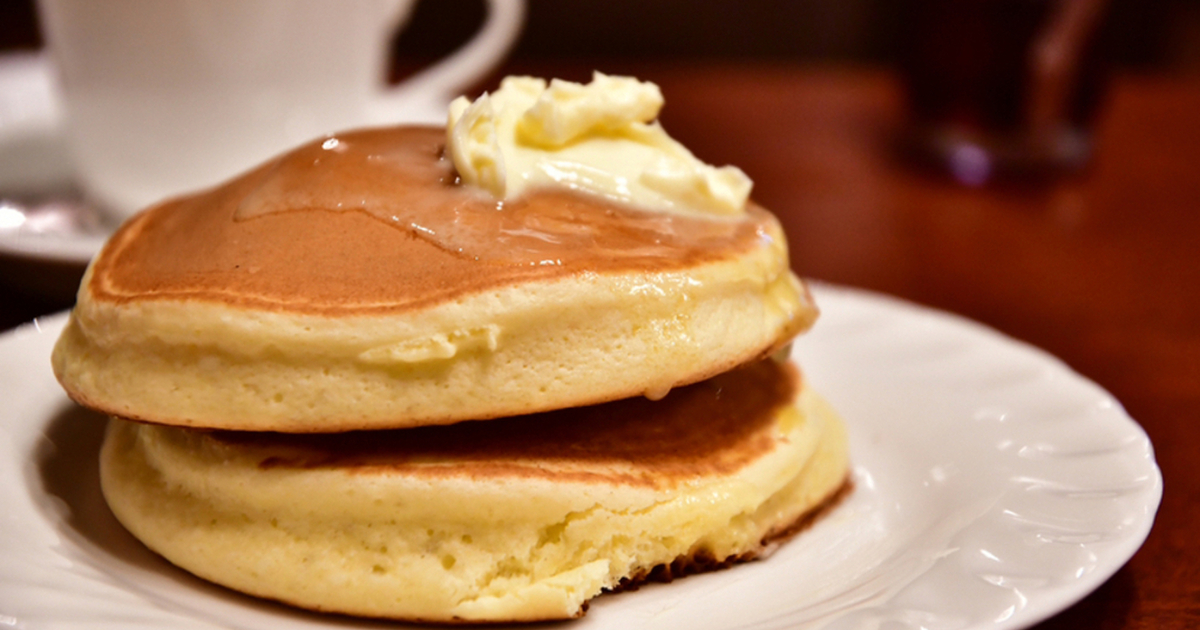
601	139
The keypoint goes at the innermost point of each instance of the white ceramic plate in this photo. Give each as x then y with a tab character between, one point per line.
995	487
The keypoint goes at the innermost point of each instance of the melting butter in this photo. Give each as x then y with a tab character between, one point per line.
600	139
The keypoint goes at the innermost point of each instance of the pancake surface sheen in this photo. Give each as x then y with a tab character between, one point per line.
351	284
521	518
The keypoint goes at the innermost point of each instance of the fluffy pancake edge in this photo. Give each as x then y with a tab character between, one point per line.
581	339
232	523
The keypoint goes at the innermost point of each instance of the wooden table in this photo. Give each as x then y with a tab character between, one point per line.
1101	270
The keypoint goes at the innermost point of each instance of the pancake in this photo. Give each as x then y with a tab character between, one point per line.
516	519
352	284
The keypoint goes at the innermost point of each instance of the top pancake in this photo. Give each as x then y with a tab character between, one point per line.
353	284
379	226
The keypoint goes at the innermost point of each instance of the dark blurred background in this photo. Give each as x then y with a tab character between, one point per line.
1142	34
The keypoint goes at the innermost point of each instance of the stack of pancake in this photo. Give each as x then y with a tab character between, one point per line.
344	382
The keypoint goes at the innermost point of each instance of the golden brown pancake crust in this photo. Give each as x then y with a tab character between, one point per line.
711	428
380	226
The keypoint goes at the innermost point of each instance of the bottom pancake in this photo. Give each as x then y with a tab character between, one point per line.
518	519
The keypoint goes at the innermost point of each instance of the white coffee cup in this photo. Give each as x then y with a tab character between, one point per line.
167	96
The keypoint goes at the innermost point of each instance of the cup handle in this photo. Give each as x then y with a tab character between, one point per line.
424	96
